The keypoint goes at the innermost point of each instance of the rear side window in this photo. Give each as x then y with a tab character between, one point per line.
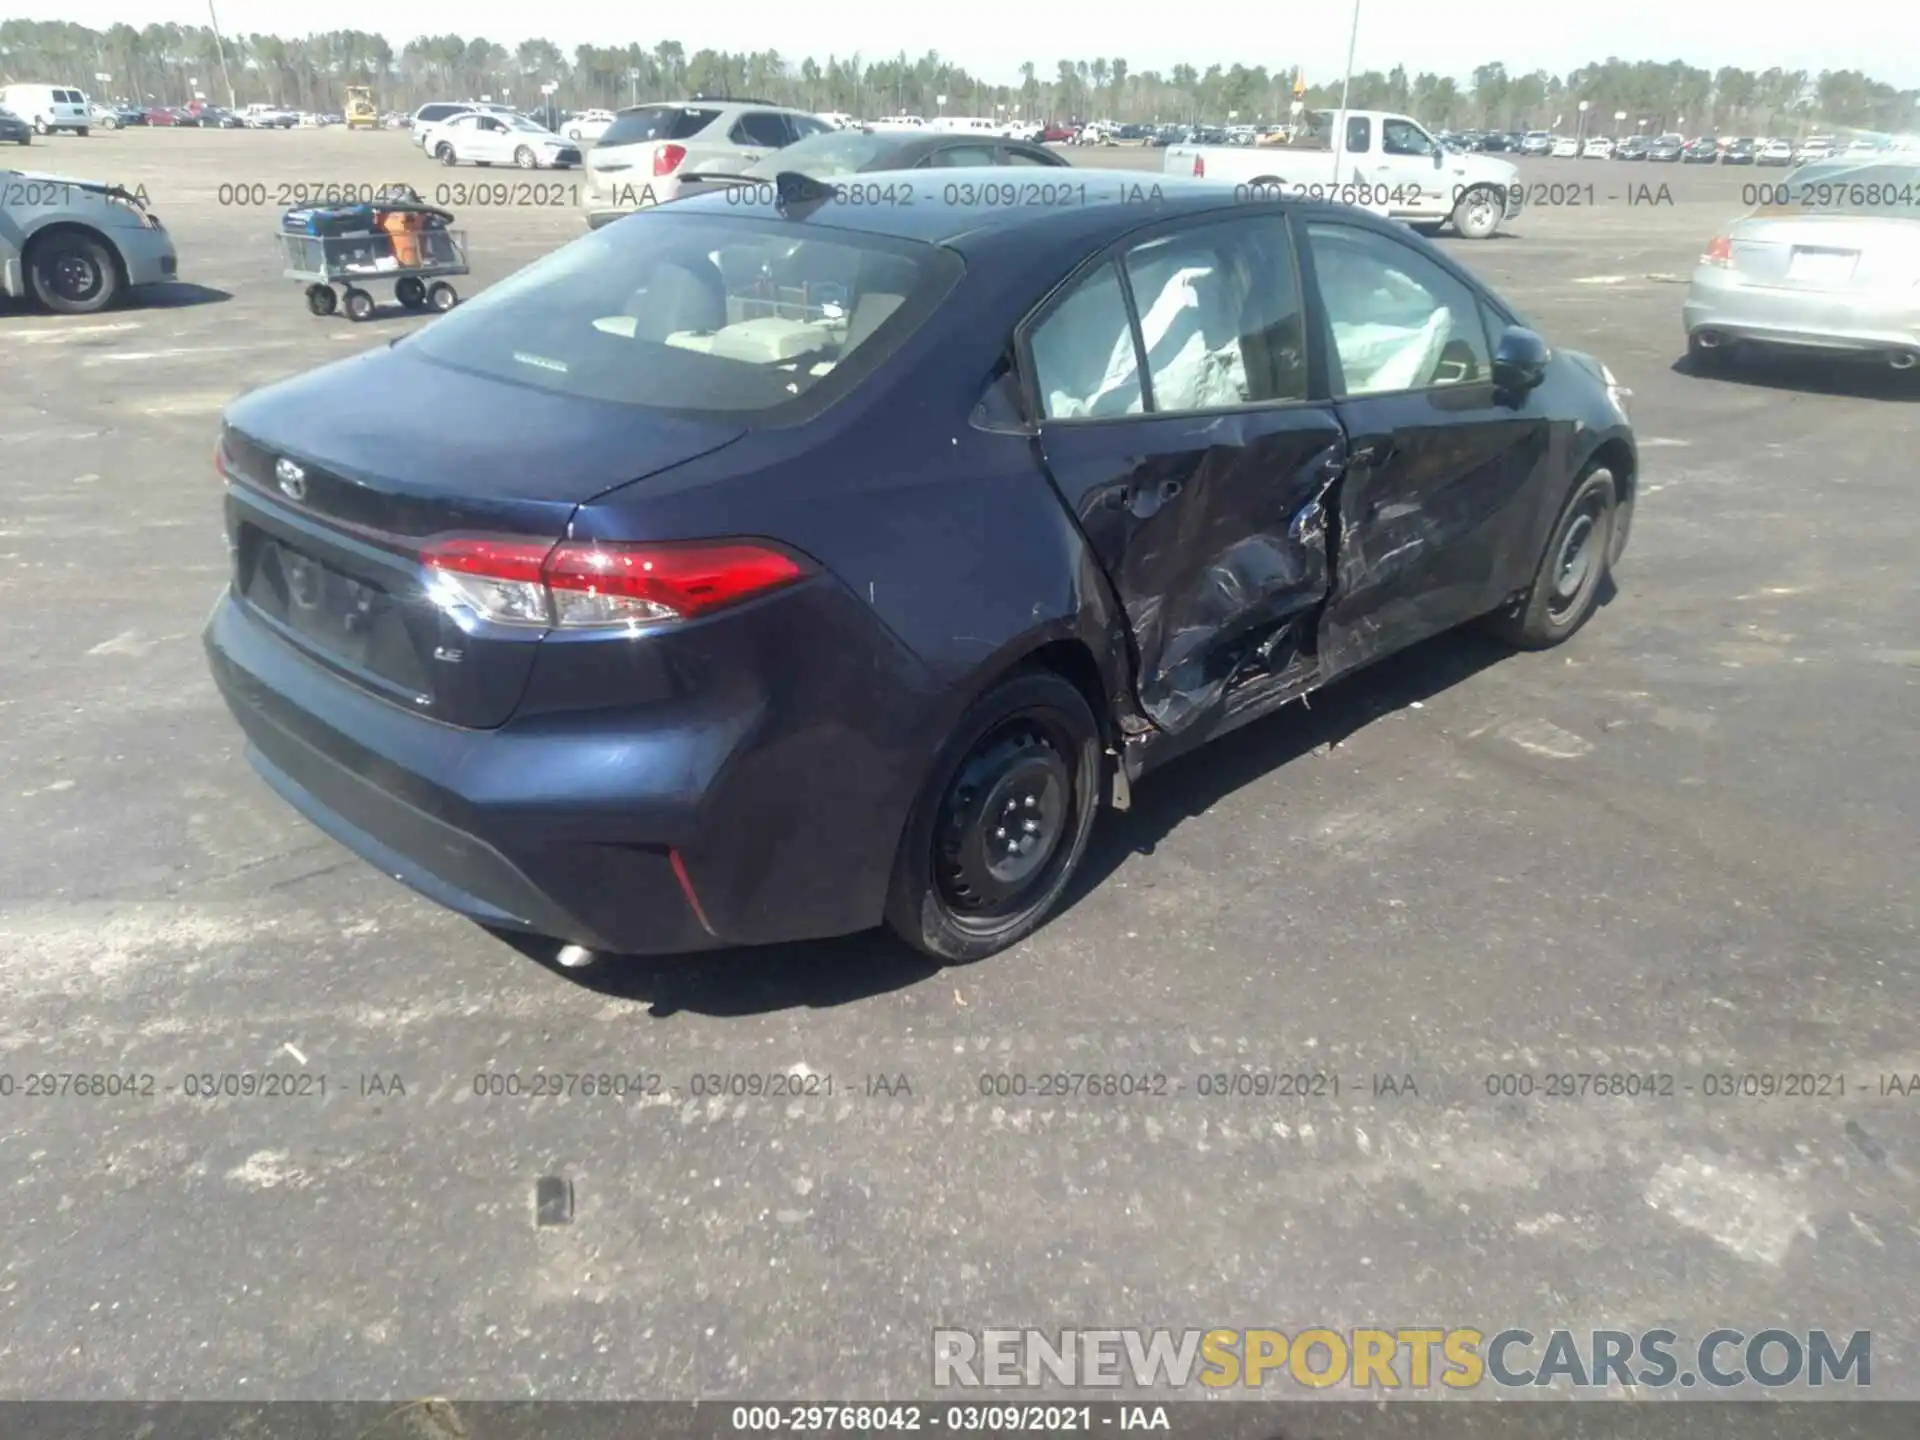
761	128
1359	134
805	125
432	113
1011	155
657	122
705	314
1084	362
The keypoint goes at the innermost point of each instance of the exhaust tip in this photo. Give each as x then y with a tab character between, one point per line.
1904	359
1709	339
575	957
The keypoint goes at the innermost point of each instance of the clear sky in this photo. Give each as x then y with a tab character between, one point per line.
992	37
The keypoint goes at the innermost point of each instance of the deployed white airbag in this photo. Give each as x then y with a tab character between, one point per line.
1379	357
1192	377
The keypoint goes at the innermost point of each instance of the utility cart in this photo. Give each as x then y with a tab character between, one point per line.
417	262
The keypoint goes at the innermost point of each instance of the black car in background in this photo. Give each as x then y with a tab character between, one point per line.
14	130
766	566
1665	149
1634	147
1499	144
1704	151
1743	151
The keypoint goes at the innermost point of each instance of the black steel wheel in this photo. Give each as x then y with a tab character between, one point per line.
321	300
1566	587
1002	822
71	273
410	291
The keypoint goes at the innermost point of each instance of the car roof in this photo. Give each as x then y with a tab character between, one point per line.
1069	206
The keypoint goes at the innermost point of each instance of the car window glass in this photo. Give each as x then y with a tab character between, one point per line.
1359	134
1083	357
962	156
657	122
759	128
1402	137
1011	156
804	125
1220	316
1399	321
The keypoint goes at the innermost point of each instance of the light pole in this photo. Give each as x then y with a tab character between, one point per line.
1618	116
1346	88
1580	131
232	102
633	78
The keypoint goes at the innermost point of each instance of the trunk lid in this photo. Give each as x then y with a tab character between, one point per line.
336	477
1826	252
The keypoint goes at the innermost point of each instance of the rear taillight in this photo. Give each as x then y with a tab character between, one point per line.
587	585
667	158
1718	252
1199	167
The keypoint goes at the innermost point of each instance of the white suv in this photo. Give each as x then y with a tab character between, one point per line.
638	162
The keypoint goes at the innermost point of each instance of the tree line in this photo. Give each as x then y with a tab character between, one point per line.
172	64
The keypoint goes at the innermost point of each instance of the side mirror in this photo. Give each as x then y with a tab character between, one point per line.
1520	360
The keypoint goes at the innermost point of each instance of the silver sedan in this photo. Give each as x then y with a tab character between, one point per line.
1829	262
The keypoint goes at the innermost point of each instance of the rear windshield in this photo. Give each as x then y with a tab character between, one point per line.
713	314
839	153
657	122
1827	188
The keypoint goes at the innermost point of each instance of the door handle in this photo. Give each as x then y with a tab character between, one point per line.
1378	453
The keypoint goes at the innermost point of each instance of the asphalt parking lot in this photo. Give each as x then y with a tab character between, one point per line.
1682	844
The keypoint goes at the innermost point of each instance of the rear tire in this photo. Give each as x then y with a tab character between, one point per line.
525	158
81	132
1566	585
321	300
442	296
444	154
72	273
1002	823
359	305
410	291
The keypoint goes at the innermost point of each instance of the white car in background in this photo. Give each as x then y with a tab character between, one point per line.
1565	147
1814	147
438	112
1598	148
587	126
481	138
899	122
838	119
1775	152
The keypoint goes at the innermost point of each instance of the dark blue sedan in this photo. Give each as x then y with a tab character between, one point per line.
782	562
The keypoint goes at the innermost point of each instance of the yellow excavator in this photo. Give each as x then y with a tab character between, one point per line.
360	112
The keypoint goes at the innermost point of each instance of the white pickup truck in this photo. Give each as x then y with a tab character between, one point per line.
1382	161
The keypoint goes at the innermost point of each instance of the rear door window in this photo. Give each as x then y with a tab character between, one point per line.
657	122
1220	316
1359	134
762	129
804	125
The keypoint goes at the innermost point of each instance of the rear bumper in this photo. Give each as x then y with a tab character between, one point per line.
731	814
473	820
1800	319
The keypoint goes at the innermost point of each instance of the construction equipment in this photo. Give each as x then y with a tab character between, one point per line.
360	112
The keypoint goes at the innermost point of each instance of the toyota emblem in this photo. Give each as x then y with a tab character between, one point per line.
293	480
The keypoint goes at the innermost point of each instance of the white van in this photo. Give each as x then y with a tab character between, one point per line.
966	125
48	107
